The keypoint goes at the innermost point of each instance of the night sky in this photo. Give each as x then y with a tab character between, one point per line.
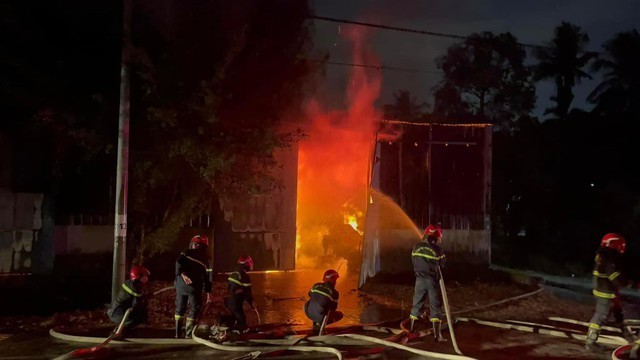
531	22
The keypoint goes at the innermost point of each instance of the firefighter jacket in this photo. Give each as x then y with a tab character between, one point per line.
130	296
323	297
607	278
195	264
426	258
239	283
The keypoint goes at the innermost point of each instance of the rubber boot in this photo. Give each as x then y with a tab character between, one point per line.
190	326
178	329
316	328
437	331
625	332
592	337
633	354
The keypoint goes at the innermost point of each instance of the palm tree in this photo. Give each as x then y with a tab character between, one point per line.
563	61
405	107
619	91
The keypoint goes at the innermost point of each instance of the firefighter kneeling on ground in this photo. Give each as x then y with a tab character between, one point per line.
428	259
324	300
239	291
193	274
607	281
131	296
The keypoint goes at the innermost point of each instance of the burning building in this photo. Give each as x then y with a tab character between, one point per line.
431	174
358	189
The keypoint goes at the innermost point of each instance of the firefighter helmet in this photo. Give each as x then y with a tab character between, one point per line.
330	276
246	261
138	272
198	241
614	241
433	231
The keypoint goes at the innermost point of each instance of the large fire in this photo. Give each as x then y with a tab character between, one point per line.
333	168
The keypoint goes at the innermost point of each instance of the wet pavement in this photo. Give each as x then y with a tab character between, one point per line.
289	291
278	298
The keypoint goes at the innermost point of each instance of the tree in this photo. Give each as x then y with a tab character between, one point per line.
405	107
563	61
209	103
487	78
619	91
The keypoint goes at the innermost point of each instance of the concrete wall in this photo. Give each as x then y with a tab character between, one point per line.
83	238
20	225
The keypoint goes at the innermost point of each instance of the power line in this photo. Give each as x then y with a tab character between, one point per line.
379	67
401	29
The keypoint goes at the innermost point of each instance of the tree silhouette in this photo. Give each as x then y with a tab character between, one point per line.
405	107
619	91
486	75
563	61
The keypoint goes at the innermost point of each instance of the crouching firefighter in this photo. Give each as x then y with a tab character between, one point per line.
607	280
193	275
323	301
131	296
428	259
238	291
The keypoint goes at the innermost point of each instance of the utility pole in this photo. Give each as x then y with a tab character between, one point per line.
120	231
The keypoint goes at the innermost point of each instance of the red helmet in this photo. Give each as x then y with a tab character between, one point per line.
198	241
246	261
433	231
330	276
138	271
614	241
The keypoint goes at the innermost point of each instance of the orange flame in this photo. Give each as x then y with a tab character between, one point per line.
333	163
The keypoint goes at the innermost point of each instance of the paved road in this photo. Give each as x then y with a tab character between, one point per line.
475	340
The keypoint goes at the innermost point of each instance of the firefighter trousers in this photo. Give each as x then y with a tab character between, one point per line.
604	307
187	295
136	317
427	287
235	304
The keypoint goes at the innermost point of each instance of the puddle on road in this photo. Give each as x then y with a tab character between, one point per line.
296	285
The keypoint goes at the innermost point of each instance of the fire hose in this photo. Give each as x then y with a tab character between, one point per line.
447	311
94	350
433	355
234	348
548	330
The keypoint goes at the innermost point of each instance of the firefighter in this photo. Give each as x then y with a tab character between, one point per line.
239	291
607	280
131	296
192	276
428	259
323	300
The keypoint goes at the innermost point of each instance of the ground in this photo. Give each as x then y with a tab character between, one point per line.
279	299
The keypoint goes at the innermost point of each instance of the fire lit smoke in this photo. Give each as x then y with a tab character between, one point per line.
333	167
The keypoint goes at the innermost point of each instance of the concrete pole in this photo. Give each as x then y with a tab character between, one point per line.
120	231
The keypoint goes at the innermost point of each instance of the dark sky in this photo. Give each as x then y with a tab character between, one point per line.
530	21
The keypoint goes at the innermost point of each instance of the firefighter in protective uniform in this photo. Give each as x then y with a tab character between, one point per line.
428	259
607	280
131	296
192	276
239	291
323	300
